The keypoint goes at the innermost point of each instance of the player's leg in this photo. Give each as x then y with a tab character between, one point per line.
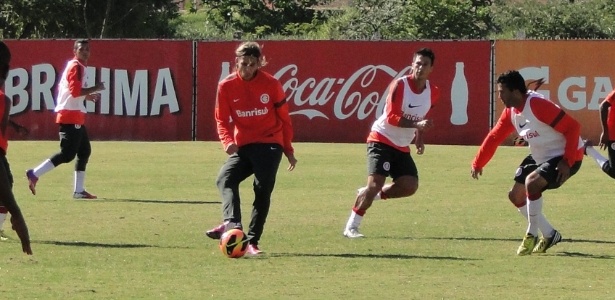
3	215
7	199
609	166
83	156
69	144
405	176
265	160
235	170
605	164
378	168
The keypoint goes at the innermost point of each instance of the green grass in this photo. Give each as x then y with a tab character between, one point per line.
455	239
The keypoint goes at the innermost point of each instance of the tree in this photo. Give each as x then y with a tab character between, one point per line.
265	17
87	18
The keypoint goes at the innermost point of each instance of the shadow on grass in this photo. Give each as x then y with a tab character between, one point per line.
506	239
100	245
582	255
153	201
355	255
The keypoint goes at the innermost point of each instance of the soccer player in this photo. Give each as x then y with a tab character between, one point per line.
7	198
255	129
71	112
607	137
556	153
409	100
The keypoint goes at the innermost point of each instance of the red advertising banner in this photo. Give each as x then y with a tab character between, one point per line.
336	89
574	79
148	96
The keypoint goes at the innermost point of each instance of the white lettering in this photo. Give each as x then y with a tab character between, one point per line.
251	113
356	97
602	88
129	99
580	96
164	93
15	88
43	79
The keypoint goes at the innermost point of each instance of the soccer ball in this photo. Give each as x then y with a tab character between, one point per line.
233	243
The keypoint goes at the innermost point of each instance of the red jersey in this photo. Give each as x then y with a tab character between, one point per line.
403	101
253	111
549	131
610	120
5	107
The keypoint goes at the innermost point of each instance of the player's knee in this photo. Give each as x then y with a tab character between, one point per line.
67	156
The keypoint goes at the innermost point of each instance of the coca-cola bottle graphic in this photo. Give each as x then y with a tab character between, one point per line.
459	96
225	69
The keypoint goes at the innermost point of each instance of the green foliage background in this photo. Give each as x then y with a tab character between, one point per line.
309	19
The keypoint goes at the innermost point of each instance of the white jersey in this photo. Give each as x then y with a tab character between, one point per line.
414	107
544	142
65	101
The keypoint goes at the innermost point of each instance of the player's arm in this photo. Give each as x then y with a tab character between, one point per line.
605	105
491	142
222	114
283	114
394	112
75	85
549	113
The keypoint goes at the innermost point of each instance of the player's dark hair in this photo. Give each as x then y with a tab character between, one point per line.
5	60
80	42
512	80
248	49
427	52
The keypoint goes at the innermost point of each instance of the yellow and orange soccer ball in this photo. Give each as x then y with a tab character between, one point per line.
234	243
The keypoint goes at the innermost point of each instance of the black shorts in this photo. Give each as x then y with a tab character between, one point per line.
548	170
385	160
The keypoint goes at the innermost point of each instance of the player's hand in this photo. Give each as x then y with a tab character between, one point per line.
292	162
563	171
23	131
92	97
424	124
476	173
231	149
604	141
420	147
20	227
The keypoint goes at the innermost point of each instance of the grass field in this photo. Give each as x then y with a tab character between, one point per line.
455	239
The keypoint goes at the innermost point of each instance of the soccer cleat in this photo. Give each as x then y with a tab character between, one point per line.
526	247
84	195
545	243
216	232
3	237
253	250
32	180
353	233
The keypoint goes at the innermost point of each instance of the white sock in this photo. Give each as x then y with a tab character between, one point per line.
2	219
354	221
534	210
545	227
79	181
593	153
523	211
43	168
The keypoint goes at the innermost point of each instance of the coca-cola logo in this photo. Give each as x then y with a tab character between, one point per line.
361	94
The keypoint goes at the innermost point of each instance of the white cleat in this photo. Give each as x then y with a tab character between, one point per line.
353	233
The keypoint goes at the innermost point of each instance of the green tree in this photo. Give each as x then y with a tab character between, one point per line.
561	19
413	19
265	17
87	18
